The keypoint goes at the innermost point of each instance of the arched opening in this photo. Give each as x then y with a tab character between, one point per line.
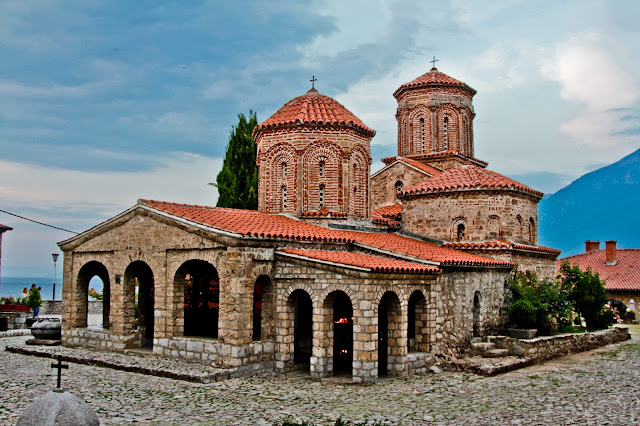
85	275
389	332
139	300
399	188
445	134
417	338
520	227
532	231
422	136
493	227
201	290
477	321
621	307
263	308
302	327
342	333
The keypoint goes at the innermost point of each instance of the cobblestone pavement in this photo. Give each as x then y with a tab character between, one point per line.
597	387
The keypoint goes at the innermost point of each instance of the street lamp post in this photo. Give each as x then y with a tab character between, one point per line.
55	258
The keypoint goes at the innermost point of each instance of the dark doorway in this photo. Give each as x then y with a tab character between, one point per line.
302	327
477	324
342	335
201	298
139	283
258	291
383	339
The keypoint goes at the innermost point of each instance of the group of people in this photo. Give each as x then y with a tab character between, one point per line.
35	291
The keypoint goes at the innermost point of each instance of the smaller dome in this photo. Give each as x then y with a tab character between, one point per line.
313	109
58	408
432	79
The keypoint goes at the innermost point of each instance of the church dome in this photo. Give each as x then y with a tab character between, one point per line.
313	109
434	78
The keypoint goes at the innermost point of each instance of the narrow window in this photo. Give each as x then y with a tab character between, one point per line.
321	196
460	232
422	133
467	137
321	169
284	198
399	188
446	134
284	169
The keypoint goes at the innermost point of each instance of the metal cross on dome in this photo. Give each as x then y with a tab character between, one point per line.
59	366
434	61
313	81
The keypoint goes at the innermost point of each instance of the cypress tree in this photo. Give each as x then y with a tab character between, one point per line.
237	182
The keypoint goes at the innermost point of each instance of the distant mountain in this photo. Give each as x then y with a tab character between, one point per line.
601	205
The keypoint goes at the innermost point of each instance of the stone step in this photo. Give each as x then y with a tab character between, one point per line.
495	353
476	339
481	347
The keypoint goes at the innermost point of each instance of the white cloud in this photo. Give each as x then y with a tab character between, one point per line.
592	74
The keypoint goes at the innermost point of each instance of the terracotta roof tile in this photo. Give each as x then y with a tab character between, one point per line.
430	170
499	244
437	155
469	177
323	212
624	275
374	263
393	211
249	223
433	78
314	108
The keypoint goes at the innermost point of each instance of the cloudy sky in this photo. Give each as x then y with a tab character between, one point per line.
105	102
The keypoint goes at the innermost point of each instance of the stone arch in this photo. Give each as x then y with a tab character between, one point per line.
459	229
138	300
478	330
337	312
279	170
330	155
493	227
298	326
391	344
403	130
531	232
420	130
417	323
197	288
447	125
87	271
519	227
359	183
263	312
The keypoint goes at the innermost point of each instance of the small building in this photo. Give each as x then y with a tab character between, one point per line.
3	229
618	268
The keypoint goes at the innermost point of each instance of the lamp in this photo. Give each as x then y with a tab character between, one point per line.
55	258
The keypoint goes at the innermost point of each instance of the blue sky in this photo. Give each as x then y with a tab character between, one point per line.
105	102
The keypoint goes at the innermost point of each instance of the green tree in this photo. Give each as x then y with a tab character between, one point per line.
34	300
237	182
586	290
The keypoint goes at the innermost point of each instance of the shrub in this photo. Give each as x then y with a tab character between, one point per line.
586	290
34	300
523	314
630	315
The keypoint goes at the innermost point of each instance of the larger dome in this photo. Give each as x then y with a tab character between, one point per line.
431	79
314	109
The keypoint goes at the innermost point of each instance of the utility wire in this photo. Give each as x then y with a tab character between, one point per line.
39	223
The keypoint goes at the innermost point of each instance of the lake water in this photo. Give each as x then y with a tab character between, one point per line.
12	286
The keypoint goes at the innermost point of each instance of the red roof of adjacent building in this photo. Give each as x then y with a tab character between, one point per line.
393	211
624	275
313	108
323	212
373	263
501	245
438	155
250	223
430	170
5	227
469	177
433	78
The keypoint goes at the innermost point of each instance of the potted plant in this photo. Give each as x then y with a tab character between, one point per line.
522	315
11	304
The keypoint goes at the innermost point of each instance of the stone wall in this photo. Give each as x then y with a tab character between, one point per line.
625	297
16	320
548	347
486	215
54	307
383	183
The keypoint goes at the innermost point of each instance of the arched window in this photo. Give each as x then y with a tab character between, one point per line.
399	188
422	138
520	227
284	198
532	231
493	227
321	168
467	137
459	229
460	232
321	197
445	132
284	169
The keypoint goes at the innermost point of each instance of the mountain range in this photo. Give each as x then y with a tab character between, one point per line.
601	205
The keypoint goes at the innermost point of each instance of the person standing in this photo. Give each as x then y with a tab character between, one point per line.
34	301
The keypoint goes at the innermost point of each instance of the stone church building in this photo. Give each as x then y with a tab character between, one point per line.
339	272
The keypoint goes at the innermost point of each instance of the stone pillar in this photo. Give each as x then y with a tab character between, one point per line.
365	343
322	351
69	311
284	335
236	297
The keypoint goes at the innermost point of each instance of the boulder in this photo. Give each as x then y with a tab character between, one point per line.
58	408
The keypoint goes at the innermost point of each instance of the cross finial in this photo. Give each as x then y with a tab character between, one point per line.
59	366
313	81
433	61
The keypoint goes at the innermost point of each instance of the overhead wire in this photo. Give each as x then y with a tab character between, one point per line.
39	223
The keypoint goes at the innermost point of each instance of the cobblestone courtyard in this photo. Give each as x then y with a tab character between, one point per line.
598	387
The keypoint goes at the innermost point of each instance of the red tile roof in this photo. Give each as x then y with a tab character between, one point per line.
501	245
624	275
393	211
5	227
469	177
430	170
437	155
433	78
323	212
249	223
313	108
373	263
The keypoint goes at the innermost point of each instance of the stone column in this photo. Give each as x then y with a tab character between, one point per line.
365	343
322	351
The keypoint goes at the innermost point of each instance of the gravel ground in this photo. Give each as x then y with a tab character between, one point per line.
596	387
